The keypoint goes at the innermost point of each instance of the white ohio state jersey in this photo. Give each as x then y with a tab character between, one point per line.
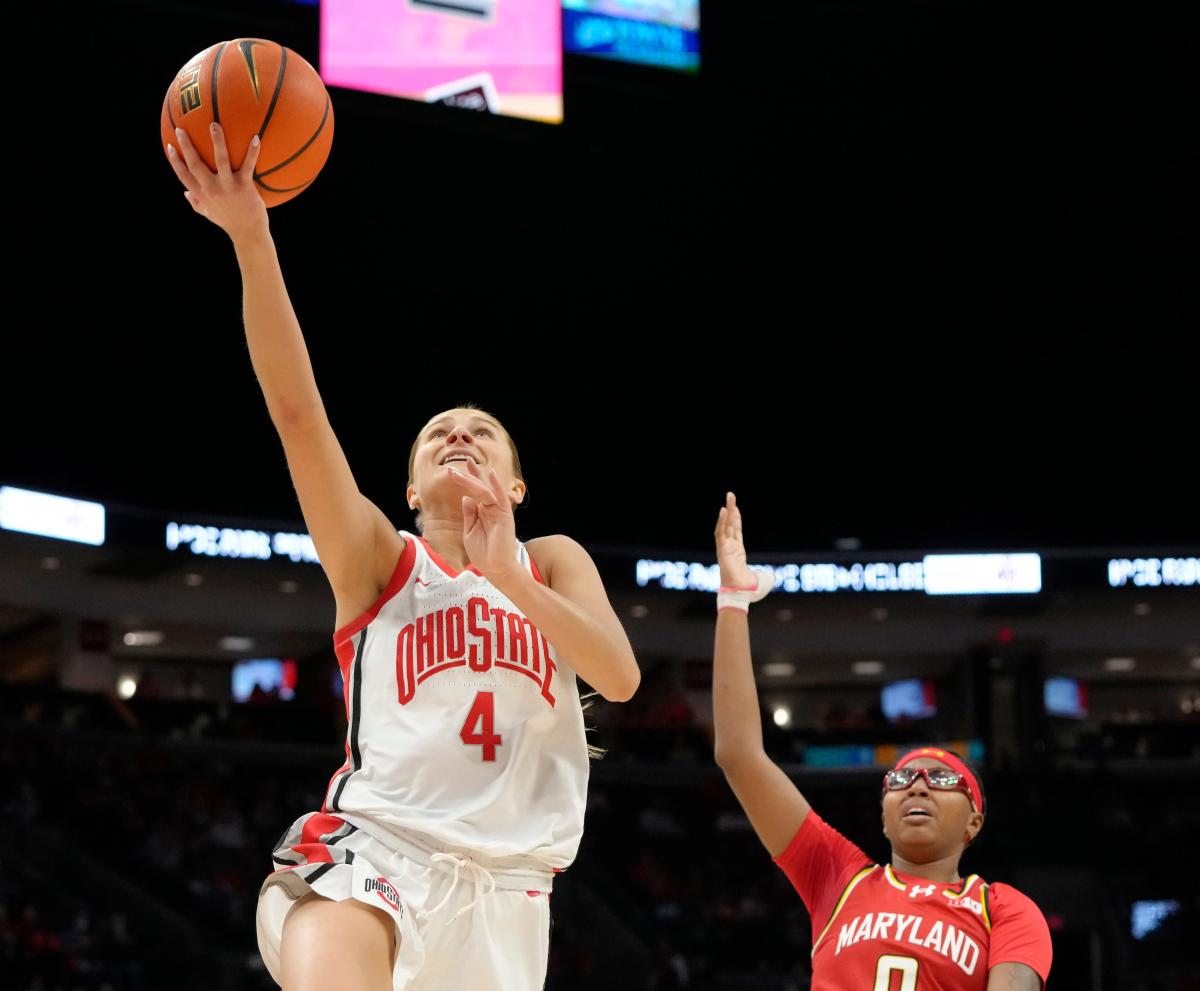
464	725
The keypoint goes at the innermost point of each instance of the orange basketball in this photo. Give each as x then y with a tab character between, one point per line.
250	86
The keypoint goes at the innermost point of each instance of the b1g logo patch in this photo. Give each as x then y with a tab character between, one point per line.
383	888
968	903
189	88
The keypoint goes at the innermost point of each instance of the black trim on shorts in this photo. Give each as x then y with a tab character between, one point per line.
319	873
351	829
356	697
355	753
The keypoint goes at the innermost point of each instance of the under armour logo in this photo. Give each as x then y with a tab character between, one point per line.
928	889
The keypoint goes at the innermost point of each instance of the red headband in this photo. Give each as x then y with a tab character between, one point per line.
953	762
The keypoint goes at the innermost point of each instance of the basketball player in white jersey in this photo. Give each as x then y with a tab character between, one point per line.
429	865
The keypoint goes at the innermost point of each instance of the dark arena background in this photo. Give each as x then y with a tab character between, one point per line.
914	278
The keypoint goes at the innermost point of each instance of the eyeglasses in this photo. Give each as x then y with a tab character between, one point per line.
938	778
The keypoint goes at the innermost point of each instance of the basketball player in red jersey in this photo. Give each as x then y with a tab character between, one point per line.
914	924
430	862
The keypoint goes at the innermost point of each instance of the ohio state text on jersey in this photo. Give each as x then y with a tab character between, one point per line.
464	724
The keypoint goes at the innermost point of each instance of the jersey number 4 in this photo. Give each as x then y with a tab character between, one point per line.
478	729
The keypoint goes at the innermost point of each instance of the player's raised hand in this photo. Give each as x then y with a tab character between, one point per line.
489	531
227	197
731	551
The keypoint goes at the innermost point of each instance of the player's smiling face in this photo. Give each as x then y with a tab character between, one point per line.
925	824
452	439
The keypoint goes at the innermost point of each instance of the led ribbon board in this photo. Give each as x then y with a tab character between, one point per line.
936	574
1153	572
212	541
44	515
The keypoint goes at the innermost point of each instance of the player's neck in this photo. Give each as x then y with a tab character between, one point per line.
446	537
944	871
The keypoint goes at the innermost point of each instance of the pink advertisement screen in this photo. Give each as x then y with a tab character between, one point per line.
503	56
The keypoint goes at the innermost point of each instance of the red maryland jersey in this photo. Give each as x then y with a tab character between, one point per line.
877	930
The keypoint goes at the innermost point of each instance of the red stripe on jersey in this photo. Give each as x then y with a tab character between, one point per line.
441	562
345	657
537	575
344	767
318	825
452	572
310	846
313	853
398	580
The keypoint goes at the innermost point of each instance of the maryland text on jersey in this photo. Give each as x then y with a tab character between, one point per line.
915	929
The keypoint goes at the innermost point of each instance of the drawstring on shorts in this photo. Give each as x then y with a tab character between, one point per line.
482	877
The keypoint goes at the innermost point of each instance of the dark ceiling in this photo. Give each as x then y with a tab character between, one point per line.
918	273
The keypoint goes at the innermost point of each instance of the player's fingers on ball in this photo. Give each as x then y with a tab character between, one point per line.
251	158
220	150
195	163
182	172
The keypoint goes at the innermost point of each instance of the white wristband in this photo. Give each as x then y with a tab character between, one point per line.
739	598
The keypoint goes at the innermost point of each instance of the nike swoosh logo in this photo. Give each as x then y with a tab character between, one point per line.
247	50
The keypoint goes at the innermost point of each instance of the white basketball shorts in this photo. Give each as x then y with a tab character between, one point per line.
463	921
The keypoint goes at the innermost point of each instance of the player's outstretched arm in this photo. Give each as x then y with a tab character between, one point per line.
773	804
1013	977
356	543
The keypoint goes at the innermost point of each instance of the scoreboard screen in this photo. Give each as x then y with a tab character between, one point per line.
653	32
496	56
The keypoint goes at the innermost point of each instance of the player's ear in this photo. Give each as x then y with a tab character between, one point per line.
883	819
974	825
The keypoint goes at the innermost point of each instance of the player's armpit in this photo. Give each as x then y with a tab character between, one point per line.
1013	977
356	543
